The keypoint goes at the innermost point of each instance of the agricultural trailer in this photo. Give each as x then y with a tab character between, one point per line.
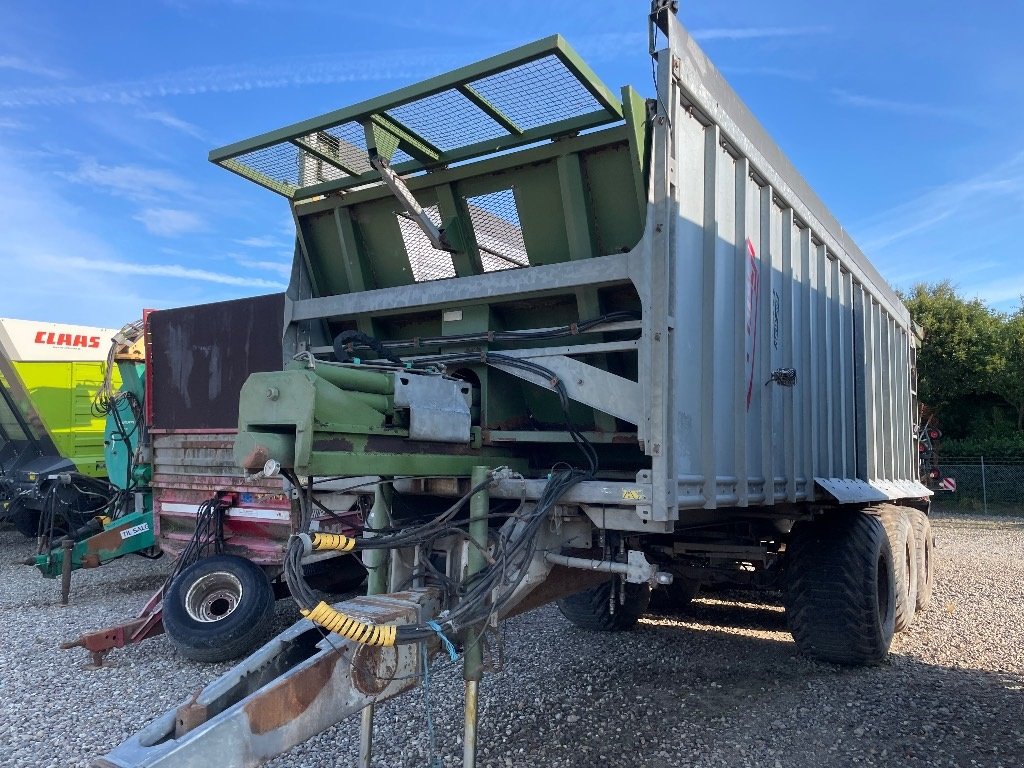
594	345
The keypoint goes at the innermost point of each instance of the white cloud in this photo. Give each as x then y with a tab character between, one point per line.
134	182
279	267
159	270
911	108
69	272
29	68
170	222
302	71
173	122
262	242
956	199
753	33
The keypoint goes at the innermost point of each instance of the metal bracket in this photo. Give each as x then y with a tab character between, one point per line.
413	209
584	383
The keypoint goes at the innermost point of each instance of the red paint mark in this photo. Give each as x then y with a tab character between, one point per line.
753	303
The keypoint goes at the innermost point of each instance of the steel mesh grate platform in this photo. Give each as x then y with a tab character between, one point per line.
534	93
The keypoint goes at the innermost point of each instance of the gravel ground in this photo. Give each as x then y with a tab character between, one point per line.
720	686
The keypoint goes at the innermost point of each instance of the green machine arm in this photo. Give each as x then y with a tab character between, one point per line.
126	526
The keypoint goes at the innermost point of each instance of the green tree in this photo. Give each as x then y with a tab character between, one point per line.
1006	370
961	335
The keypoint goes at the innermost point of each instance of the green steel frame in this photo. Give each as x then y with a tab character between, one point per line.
386	135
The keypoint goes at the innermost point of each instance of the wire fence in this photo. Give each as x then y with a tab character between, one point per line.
988	486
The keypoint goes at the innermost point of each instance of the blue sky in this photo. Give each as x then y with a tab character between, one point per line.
906	117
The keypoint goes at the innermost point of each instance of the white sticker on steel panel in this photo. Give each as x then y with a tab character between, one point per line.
135	530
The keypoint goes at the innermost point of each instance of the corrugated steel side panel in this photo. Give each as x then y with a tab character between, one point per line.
191	467
763	280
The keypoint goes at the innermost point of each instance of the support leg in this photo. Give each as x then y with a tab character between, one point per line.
472	670
376	561
65	572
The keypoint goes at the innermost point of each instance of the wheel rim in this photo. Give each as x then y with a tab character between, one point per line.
213	597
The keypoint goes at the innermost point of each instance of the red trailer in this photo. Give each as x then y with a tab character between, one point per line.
198	359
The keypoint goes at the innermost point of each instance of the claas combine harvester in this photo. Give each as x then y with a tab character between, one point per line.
592	345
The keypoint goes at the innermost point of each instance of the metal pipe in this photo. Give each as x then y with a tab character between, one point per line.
984	487
605	566
65	570
355	380
473	662
376	561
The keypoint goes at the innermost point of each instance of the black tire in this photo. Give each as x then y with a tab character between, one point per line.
219	608
924	540
674	597
24	520
591	609
336	575
840	597
904	555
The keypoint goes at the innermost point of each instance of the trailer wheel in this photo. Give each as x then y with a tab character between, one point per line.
24	520
675	597
924	541
219	608
840	595
904	554
591	609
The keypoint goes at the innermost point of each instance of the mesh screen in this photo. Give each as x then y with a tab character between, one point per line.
497	230
537	93
427	262
448	120
279	162
532	95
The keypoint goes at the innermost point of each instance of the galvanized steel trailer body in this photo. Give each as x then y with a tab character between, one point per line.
748	371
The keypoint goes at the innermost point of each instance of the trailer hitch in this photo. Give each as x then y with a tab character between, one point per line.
294	687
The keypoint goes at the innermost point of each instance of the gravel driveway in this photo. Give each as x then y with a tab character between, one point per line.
720	686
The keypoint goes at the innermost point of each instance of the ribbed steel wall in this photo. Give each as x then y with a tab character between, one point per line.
764	280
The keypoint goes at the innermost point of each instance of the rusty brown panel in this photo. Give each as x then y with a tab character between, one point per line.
190	716
108	540
374	668
292	697
201	356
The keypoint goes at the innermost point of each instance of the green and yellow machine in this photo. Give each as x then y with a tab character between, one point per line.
72	424
121	513
49	376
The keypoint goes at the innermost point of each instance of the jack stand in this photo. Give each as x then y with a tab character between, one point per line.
376	561
472	669
65	570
